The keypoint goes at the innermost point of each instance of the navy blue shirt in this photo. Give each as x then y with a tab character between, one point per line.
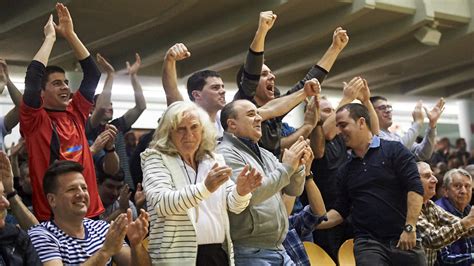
374	189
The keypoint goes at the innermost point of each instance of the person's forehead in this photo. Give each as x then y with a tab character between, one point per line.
342	115
244	107
457	177
69	179
324	103
56	76
266	68
381	102
210	81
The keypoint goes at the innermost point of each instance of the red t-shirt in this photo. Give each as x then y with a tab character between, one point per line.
42	130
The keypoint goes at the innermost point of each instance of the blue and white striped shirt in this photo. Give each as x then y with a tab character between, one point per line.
51	243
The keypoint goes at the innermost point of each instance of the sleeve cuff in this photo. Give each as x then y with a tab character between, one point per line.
255	53
239	198
203	190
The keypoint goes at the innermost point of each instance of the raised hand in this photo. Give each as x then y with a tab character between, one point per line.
138	229
266	20
435	113
292	156
340	38
3	74
140	196
65	26
307	159
417	114
111	132
124	197
312	87
133	69
217	176
364	93
351	89
312	115
248	181
49	28
115	235
177	52
104	65
18	149
6	174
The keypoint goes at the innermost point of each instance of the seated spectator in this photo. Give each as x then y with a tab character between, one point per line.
130	142
437	227
115	195
70	238
458	188
15	245
188	190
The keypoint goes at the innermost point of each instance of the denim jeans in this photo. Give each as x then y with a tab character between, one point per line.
246	256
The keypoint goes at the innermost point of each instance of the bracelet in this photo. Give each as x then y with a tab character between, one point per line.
11	194
310	176
109	151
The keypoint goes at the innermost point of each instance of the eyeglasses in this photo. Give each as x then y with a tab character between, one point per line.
384	108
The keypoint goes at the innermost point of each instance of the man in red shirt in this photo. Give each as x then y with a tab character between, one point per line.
51	121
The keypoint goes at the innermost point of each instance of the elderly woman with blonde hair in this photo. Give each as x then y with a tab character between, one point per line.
188	190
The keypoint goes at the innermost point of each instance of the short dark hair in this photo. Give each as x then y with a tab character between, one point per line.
50	179
48	71
101	176
375	98
356	111
228	112
198	80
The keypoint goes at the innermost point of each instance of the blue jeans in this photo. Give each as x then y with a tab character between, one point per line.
245	256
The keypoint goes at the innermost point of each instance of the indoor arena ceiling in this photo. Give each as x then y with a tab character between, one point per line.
382	45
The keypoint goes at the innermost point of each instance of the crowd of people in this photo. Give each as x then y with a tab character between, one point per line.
220	183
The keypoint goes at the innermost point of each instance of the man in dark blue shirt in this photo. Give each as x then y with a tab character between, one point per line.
380	186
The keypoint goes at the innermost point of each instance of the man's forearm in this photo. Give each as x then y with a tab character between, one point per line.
304	131
328	59
99	258
25	218
15	94
414	203
170	82
317	142
138	93
103	101
43	53
111	164
314	198
80	51
281	106
140	255
374	120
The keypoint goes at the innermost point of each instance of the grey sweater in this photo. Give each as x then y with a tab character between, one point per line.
264	223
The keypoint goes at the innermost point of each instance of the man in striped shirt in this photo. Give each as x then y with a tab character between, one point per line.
71	239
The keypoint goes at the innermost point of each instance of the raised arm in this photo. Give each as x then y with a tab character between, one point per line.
364	97
104	100
15	94
317	140
25	218
424	150
169	78
350	92
248	80
65	28
35	71
140	104
282	105
339	41
410	136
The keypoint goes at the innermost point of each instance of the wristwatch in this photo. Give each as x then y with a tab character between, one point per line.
409	228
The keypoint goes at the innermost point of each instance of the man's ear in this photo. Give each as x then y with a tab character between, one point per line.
362	122
231	124
196	94
51	199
